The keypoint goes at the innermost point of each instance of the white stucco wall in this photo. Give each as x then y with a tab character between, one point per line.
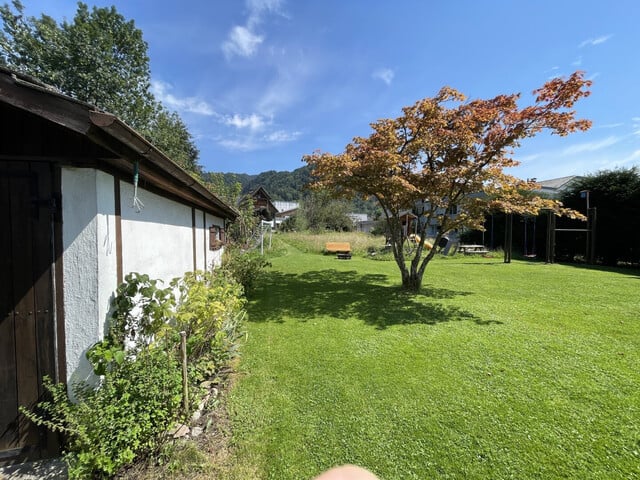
89	262
157	241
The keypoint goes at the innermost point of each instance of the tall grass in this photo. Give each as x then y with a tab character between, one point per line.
315	242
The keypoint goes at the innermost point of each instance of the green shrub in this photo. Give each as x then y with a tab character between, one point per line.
139	394
244	266
110	426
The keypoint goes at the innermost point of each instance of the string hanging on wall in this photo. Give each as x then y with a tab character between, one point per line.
137	203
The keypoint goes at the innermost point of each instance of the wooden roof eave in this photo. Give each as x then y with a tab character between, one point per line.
149	154
28	94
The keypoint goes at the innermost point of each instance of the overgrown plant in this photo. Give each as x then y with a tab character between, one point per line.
140	390
110	426
244	267
207	303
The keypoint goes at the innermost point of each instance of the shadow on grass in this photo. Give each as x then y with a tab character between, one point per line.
349	294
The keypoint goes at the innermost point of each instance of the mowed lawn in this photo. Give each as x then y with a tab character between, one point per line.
494	371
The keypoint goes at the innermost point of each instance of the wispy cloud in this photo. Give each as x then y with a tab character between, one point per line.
384	74
577	62
251	143
252	122
243	40
595	41
587	147
259	8
281	136
161	90
610	125
632	158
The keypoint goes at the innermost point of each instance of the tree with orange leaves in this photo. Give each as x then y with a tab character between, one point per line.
446	151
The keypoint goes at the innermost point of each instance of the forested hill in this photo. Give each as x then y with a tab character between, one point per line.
285	186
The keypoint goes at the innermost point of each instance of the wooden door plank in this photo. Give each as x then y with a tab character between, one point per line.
8	385
42	261
24	301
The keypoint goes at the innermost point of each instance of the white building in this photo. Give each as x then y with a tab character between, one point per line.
70	233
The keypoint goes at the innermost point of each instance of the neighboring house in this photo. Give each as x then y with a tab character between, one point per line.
281	216
408	220
70	234
554	187
361	222
263	207
285	210
285	206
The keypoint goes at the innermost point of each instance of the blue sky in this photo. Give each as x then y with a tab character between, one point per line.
260	83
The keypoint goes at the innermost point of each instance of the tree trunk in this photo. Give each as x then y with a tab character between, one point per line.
411	281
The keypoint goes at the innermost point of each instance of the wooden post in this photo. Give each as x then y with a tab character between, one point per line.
185	378
508	237
551	237
592	237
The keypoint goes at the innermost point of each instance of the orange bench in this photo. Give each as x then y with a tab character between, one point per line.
341	249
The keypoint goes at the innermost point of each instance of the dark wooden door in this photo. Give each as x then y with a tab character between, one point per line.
27	330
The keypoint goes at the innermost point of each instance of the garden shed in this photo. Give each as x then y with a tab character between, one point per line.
84	200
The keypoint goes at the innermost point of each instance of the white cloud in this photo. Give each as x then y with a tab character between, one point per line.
281	136
242	42
252	143
252	122
595	41
632	157
577	62
161	91
384	74
258	8
591	146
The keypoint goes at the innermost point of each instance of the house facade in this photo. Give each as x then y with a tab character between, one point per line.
263	207
84	200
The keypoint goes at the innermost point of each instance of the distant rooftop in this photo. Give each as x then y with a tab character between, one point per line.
285	206
555	186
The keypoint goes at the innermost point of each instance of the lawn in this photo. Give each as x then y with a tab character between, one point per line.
520	370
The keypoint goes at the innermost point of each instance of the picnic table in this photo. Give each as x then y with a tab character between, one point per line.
473	249
341	249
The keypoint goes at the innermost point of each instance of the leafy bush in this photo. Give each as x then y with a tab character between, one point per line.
140	392
244	267
113	424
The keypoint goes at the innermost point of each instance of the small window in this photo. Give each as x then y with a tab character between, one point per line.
216	237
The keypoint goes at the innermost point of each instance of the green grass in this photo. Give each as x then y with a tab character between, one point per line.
523	370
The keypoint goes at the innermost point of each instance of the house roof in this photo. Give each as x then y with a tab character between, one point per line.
557	185
108	131
262	190
285	206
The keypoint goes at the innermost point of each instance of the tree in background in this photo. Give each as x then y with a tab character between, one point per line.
616	196
99	58
244	227
319	211
446	152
